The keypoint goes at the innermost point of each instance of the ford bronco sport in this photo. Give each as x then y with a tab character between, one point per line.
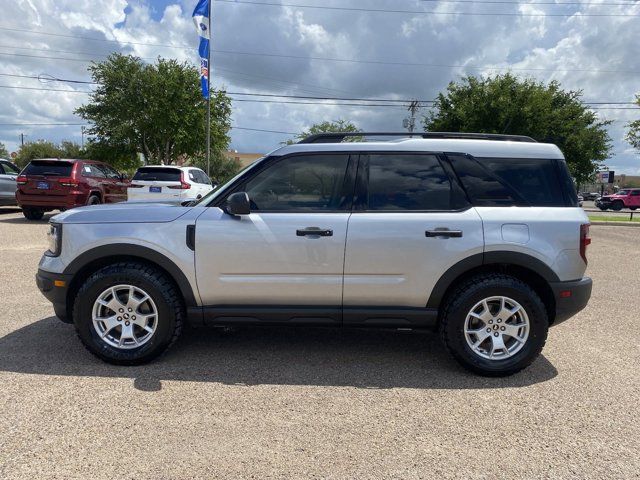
479	236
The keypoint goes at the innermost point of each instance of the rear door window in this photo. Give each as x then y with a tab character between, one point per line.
8	169
157	174
408	182
54	168
89	170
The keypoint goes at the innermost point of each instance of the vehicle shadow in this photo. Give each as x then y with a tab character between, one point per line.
22	220
265	356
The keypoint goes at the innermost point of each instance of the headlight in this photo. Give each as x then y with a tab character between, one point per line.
55	239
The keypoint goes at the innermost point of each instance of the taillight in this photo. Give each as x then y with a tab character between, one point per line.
68	182
585	240
183	185
22	180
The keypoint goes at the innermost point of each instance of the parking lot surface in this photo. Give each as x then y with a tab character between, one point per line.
310	403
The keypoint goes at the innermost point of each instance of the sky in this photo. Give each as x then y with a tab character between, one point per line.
284	47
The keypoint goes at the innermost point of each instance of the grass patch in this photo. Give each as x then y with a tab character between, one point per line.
615	218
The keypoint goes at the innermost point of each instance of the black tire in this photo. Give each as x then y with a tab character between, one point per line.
94	200
603	208
617	206
157	285
31	213
633	208
469	293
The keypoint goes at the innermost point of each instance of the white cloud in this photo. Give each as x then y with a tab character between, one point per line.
567	49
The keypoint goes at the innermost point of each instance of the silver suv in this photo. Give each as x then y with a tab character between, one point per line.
479	236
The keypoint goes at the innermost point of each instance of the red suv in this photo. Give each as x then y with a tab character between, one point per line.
51	184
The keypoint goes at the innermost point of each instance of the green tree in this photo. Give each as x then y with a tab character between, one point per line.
507	104
46	149
329	127
156	109
633	135
4	153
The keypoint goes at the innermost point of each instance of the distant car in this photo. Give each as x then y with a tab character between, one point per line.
54	184
168	183
8	174
628	197
590	195
580	200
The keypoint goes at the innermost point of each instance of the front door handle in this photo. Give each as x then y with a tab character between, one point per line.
314	231
444	233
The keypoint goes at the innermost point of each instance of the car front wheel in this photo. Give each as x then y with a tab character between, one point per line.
494	325
617	206
128	313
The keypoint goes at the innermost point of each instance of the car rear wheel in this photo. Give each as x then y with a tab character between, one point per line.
633	208
93	200
33	213
494	325
128	313
617	206
603	208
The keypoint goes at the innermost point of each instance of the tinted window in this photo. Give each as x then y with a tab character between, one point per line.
483	188
408	182
300	183
536	180
108	171
49	167
635	193
89	170
158	174
9	169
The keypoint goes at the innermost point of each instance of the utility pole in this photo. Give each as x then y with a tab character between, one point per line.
410	123
22	139
82	136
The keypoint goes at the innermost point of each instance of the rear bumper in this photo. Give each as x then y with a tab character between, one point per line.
52	202
57	295
571	297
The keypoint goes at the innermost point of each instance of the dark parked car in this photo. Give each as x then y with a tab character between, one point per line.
52	184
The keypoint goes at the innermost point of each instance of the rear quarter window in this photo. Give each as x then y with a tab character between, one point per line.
158	174
515	181
49	168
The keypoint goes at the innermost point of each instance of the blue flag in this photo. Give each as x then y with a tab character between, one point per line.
203	22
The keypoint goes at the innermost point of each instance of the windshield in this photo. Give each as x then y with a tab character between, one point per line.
623	192
221	188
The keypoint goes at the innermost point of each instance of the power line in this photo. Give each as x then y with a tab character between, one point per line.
506	2
373	62
381	102
423	12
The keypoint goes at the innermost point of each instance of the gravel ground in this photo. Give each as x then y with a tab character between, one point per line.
278	403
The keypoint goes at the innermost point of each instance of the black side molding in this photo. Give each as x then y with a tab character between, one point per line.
191	237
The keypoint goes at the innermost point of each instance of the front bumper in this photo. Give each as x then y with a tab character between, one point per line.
54	286
570	297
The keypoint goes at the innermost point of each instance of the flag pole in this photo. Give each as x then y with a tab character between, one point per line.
209	92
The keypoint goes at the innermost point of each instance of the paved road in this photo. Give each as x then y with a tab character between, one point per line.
323	404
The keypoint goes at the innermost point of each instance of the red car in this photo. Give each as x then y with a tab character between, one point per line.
628	197
53	184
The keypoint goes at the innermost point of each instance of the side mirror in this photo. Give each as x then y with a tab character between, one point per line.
238	204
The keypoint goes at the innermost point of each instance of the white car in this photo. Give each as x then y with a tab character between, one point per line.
168	183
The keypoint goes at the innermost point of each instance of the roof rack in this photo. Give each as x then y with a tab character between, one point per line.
337	137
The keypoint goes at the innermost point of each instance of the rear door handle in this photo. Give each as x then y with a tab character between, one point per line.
314	231
444	233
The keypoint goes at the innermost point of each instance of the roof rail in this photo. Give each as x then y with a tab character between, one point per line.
337	137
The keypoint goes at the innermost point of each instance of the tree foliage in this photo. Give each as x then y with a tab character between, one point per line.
335	126
633	135
4	153
506	104
46	149
156	109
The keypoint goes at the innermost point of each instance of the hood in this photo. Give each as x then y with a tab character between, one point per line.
123	213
